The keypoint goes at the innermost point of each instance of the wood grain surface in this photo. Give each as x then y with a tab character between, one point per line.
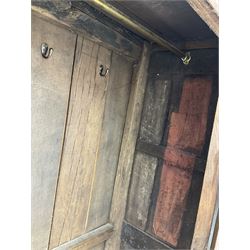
82	141
51	80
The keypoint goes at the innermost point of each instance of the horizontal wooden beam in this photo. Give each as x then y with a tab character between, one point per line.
90	239
151	149
86	25
158	151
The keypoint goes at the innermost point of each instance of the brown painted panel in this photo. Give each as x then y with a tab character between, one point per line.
174	185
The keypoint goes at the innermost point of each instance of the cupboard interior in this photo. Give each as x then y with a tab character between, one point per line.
120	134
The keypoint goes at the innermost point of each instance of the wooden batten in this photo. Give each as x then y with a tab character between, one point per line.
88	240
131	129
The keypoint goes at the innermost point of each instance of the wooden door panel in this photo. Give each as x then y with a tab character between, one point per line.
82	141
51	80
112	129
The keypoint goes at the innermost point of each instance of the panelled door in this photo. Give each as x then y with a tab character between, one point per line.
78	119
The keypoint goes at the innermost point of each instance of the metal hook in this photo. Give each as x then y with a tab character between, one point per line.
45	51
186	59
102	69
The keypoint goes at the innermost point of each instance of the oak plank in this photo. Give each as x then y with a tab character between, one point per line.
209	194
81	145
125	162
110	142
51	80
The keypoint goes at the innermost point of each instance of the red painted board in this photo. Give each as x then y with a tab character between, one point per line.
174	186
187	131
195	96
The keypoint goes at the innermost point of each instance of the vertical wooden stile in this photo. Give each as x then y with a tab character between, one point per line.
126	157
209	195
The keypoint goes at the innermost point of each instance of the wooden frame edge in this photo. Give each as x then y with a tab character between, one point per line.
118	205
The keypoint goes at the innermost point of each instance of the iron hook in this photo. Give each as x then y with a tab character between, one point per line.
45	51
102	69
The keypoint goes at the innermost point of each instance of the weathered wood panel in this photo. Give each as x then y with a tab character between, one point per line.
174	186
186	134
51	80
83	132
110	142
130	134
151	131
140	189
154	110
209	195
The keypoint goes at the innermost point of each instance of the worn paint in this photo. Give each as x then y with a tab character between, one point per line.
185	141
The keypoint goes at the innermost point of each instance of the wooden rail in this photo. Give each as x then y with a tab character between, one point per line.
90	239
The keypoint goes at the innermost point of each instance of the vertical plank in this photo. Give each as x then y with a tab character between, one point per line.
151	131
185	141
154	110
209	194
81	145
174	186
140	189
51	79
112	130
127	149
